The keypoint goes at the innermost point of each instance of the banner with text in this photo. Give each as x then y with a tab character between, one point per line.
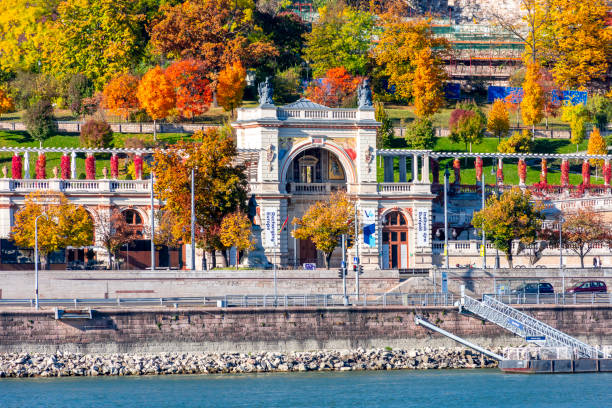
271	229
422	215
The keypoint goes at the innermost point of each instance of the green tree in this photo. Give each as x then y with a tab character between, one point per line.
97	38
342	37
384	134
287	31
467	124
421	135
600	109
287	85
513	216
79	88
325	222
39	120
577	117
220	186
66	224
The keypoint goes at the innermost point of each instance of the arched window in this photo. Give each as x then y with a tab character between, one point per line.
132	218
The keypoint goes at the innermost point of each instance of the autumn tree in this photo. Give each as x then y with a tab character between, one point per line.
498	122
79	88
216	32
230	87
119	95
519	142
398	49
532	104
420	134
236	232
98	38
384	134
467	124
6	102
582	231
336	89
597	146
325	222
156	95
193	89
341	37
579	40
577	117
220	187
512	216
96	133
599	106
113	233
427	85
66	224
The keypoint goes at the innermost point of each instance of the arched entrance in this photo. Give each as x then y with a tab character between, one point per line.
395	250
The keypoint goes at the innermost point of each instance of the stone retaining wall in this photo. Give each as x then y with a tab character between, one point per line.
200	330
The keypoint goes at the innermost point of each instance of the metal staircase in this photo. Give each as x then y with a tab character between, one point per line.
524	325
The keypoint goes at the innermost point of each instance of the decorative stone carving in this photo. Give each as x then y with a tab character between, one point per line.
270	157
369	158
364	94
4	172
55	171
105	172
265	91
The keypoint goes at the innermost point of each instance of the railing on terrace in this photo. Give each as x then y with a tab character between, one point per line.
84	186
315	188
394	187
554	298
347	114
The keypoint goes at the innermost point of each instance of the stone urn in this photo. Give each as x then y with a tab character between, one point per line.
54	170
105	172
4	172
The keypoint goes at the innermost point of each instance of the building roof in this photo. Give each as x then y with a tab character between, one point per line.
304	104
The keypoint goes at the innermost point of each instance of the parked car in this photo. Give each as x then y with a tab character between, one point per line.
542	287
589	286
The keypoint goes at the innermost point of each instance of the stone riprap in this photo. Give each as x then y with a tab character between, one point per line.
69	364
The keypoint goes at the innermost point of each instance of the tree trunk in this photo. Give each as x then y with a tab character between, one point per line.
509	259
328	259
154	130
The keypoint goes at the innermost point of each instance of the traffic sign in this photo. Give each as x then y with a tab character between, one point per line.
535	338
355	260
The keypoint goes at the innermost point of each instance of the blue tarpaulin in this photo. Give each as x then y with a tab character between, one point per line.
516	93
452	90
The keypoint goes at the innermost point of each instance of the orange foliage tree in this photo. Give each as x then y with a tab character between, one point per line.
336	89
6	102
192	88
156	95
119	95
427	85
231	84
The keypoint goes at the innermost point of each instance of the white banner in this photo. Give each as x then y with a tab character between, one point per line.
423	230
271	229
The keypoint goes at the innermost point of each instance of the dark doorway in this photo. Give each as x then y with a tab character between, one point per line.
308	252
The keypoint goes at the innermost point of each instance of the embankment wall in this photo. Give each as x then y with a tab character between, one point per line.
276	329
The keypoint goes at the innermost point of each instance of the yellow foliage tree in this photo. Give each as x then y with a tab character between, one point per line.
156	95
579	41
66	225
498	121
597	145
399	46
6	102
325	222
532	105
236	232
231	84
427	85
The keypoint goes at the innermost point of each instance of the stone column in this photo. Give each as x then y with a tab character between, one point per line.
435	170
607	172
522	171
388	169
500	171
26	165
586	172
564	173
544	173
415	168
73	174
457	171
402	169
425	170
478	165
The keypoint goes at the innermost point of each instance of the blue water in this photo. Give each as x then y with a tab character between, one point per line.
422	389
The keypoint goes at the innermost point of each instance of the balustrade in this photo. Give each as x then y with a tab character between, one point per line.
81	186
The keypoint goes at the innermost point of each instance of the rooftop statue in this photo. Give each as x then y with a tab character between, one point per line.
364	94
265	91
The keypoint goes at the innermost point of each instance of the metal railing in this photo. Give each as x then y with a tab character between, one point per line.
554	298
323	300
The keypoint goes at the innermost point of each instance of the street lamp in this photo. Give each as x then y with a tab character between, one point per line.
36	255
561	221
446	175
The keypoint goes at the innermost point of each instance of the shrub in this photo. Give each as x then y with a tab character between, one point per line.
517	143
420	134
384	134
467	124
39	120
96	133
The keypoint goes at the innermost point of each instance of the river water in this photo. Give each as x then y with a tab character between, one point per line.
445	388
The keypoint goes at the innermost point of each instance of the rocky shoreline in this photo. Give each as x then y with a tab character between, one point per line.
69	364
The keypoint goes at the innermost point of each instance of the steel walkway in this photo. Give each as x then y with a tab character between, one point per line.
525	326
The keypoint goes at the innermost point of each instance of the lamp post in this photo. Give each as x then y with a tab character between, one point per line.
446	175
152	222
484	238
561	221
36	255
193	267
